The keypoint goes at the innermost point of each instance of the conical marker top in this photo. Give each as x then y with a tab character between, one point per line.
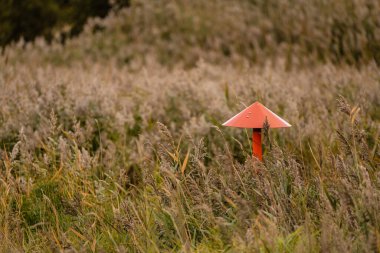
254	116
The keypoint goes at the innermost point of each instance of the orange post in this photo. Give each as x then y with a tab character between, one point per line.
257	150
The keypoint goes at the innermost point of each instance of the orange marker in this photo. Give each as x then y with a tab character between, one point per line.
254	117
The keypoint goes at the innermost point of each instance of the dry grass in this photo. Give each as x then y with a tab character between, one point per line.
109	157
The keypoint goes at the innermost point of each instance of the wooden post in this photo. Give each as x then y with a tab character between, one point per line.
257	150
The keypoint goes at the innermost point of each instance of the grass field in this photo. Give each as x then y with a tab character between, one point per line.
113	142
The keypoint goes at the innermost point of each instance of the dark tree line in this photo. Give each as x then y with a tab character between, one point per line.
31	18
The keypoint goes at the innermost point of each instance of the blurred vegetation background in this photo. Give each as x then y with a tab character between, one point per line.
185	31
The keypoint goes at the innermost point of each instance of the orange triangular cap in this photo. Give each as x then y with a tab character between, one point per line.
254	117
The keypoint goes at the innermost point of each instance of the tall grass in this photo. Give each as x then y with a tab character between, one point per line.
85	165
97	155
